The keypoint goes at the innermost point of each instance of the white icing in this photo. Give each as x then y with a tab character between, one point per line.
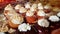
58	14
40	6
43	23
17	6
2	33
41	13
27	5
29	13
9	7
22	10
16	19
54	18
34	7
24	27
10	13
47	6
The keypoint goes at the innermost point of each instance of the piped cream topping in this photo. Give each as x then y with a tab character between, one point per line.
47	7
43	23
54	18
58	14
33	7
22	10
16	19
29	13
17	6
10	13
2	33
8	7
41	13
24	27
27	5
40	6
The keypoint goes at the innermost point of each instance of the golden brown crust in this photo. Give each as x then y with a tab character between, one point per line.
12	25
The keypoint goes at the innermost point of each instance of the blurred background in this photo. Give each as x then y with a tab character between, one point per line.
53	3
